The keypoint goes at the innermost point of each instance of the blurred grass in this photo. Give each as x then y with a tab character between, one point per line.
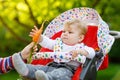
111	73
12	75
117	76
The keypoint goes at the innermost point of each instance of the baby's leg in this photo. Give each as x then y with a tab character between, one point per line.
26	70
55	74
19	65
60	74
41	75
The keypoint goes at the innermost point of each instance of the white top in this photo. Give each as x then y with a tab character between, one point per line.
58	46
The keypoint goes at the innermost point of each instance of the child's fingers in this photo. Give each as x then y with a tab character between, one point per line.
35	48
74	54
35	27
34	30
31	34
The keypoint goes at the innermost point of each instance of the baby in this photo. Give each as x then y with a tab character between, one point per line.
60	69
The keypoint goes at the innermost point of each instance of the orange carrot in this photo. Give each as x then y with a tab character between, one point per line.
35	39
38	33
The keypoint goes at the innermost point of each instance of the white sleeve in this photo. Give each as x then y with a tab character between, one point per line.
47	43
59	56
91	52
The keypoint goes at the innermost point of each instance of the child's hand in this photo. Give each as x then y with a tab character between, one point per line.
25	53
74	54
35	34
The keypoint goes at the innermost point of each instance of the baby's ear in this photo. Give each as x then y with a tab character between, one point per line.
81	38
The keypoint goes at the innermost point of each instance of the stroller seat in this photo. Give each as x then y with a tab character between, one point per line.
95	37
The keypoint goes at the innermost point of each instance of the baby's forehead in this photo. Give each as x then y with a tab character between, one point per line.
67	28
70	27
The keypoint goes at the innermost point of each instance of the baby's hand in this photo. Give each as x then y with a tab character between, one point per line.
36	34
33	32
74	53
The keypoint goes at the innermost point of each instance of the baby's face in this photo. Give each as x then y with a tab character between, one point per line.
70	35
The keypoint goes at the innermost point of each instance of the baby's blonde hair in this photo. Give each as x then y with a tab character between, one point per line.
79	24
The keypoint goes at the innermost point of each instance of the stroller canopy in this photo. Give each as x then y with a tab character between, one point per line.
90	17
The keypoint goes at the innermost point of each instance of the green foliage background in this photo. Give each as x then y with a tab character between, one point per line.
17	18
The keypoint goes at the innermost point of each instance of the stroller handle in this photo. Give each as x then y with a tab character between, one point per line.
115	34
